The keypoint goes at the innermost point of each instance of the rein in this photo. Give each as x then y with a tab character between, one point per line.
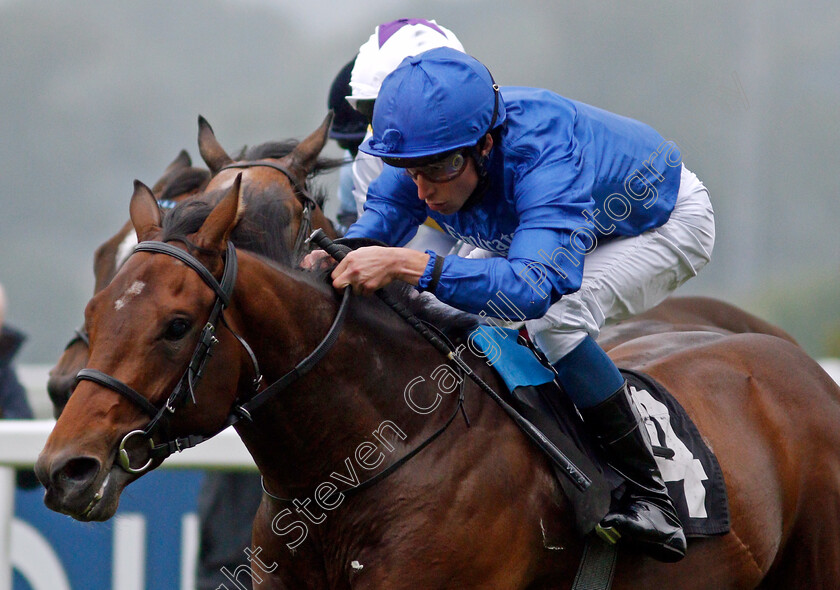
306	200
368	483
195	369
569	469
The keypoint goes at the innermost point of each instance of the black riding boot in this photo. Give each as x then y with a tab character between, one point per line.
647	517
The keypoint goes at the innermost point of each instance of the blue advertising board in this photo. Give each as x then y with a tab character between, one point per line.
150	544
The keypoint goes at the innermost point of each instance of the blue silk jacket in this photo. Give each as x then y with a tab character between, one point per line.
564	176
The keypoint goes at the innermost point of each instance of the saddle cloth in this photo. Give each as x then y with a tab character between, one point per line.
689	468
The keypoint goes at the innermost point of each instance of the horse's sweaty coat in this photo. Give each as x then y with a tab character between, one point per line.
466	512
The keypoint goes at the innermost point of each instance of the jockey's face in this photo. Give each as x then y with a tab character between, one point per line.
448	197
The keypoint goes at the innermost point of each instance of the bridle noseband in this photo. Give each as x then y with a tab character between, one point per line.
195	369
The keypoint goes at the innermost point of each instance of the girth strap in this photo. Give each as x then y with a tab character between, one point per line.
597	565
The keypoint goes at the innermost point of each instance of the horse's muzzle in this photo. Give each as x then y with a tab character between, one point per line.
70	483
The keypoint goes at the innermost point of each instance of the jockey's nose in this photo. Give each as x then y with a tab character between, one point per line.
425	189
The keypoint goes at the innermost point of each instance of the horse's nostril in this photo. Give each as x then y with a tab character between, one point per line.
78	471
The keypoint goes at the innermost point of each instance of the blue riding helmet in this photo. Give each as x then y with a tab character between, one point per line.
434	102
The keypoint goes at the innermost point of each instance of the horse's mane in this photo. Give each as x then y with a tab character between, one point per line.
261	229
186	181
280	149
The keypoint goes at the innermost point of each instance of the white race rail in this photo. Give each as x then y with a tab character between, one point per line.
22	440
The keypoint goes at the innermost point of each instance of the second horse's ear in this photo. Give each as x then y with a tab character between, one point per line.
209	147
216	229
144	212
305	155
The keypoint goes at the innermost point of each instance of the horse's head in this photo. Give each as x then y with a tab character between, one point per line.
278	172
180	181
267	189
148	332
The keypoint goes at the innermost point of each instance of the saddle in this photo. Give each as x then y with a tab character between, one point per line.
690	469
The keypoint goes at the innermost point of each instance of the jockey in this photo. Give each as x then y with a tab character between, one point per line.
389	44
541	180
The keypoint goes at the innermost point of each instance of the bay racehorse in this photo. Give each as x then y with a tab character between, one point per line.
477	508
281	202
276	171
180	181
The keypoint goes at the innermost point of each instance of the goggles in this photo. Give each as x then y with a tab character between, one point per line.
436	169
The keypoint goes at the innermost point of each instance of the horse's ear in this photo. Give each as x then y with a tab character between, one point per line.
216	229
305	155
181	162
211	150
144	212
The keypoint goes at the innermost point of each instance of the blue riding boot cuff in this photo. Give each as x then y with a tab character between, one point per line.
587	374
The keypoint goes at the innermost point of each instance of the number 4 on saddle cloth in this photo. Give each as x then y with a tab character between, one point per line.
689	468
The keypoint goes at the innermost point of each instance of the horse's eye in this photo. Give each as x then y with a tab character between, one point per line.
177	329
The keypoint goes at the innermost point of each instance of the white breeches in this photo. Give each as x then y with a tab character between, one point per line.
627	276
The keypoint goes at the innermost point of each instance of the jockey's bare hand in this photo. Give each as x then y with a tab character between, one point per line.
316	260
374	267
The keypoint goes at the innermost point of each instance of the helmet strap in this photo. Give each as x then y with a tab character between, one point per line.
480	162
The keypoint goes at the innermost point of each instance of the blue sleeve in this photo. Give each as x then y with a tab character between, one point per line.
392	210
551	190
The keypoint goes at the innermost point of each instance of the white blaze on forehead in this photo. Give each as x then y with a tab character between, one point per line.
135	289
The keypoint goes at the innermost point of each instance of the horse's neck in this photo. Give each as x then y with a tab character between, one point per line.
353	396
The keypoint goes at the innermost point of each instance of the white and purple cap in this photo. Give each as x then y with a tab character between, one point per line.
390	44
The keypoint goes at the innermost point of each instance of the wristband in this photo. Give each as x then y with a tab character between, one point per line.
436	270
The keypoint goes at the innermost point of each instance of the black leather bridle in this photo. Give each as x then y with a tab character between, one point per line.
306	200
195	369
